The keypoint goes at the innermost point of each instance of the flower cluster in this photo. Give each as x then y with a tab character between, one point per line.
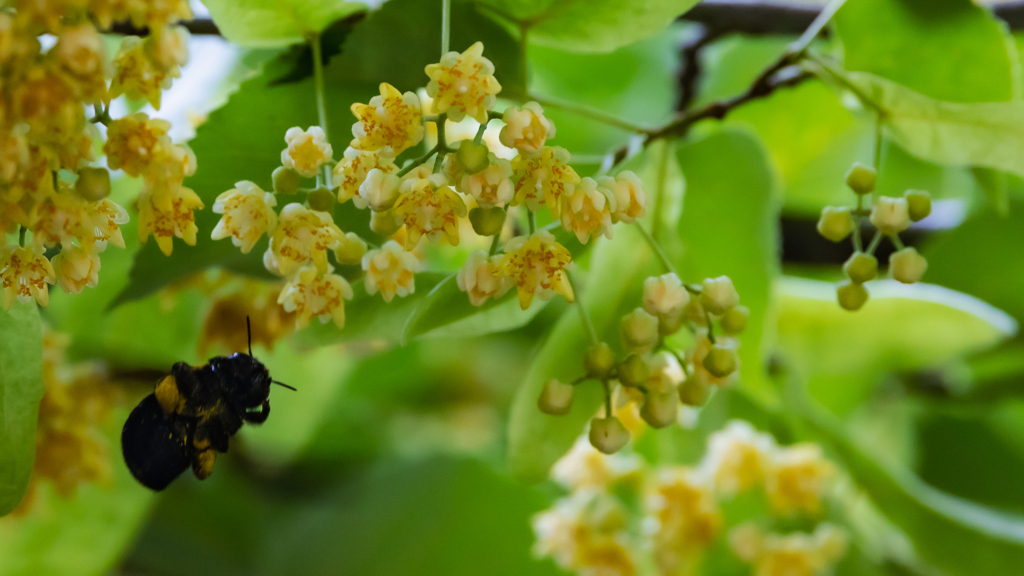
889	216
621	514
466	184
70	445
653	378
53	193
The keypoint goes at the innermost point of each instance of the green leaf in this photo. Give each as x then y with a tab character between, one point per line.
84	535
842	354
728	227
594	25
21	389
537	440
989	134
273	23
953	50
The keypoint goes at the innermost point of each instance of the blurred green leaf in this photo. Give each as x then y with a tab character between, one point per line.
446	305
728	227
593	26
84	535
989	134
272	23
21	389
994	184
952	50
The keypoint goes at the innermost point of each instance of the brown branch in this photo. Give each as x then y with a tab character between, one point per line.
691	66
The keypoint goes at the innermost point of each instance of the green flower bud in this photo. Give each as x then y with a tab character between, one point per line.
835	223
472	157
321	199
487	221
639	331
907	265
660	409
919	204
890	215
861	267
721	360
93	184
350	250
555	398
861	178
851	295
694	391
599	361
718	295
633	371
670	324
286	180
694	312
735	320
384	223
608	434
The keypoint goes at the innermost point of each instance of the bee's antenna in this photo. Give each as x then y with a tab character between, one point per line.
248	328
283	384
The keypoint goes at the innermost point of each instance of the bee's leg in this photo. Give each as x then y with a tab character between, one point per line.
258	417
202	463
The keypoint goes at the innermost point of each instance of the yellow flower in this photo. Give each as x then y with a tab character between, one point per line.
797	478
463	84
301	235
135	141
491	186
390	123
248	213
350	172
526	128
24	275
57	219
585	533
628	191
390	270
480	279
587	210
536	266
379	191
166	214
168	47
45	100
80	49
665	296
76	268
795	554
168	170
683	518
544	179
309	294
137	75
429	207
737	457
583	466
13	152
700	350
307	150
105	216
153	13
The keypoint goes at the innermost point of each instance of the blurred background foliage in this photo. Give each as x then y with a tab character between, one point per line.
414	446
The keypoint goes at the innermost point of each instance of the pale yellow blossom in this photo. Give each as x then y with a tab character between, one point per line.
76	268
583	466
391	271
350	172
585	533
587	210
137	75
390	123
166	214
544	179
536	265
628	191
24	275
308	295
526	128
301	235
307	150
429	207
682	518
491	186
463	84
480	278
737	457
248	213
797	478
665	296
794	554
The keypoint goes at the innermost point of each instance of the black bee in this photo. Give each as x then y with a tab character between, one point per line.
191	416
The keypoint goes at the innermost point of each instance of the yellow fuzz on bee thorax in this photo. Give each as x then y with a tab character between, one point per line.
203	465
201	443
167	394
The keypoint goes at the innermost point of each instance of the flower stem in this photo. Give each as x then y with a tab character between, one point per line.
531	219
897	242
446	25
480	133
584	315
656	248
607	398
588	112
874	243
321	108
659	201
494	245
21	236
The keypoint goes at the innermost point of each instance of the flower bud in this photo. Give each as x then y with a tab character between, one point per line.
93	184
286	180
919	204
633	371
608	434
660	409
487	221
907	265
384	223
555	398
861	178
835	223
861	267
379	191
851	295
321	199
719	295
721	360
694	391
599	361
472	157
694	312
735	320
665	295
350	250
669	325
890	215
639	331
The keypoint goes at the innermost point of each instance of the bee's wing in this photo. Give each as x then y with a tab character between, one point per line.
154	445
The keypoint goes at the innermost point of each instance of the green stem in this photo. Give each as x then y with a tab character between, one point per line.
897	242
321	107
531	220
607	398
442	139
711	327
446	25
480	133
584	315
659	201
878	145
656	248
874	243
494	245
588	112
419	160
21	236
